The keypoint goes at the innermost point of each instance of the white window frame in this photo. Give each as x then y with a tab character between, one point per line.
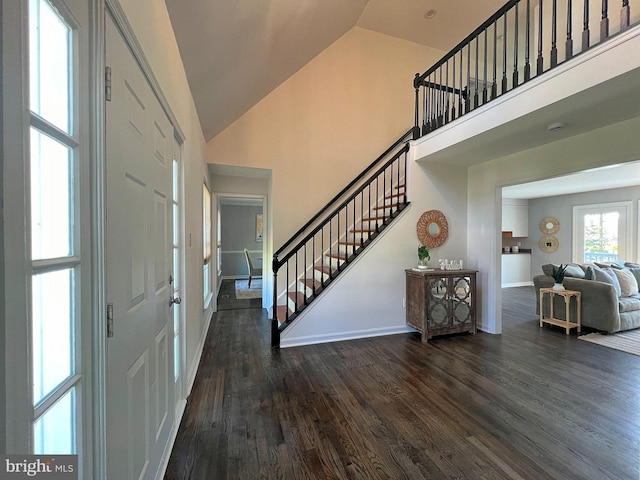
207	291
18	411
626	235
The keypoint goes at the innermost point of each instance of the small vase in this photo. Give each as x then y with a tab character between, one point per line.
558	287
423	264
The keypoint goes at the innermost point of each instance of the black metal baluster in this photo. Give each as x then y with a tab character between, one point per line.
540	66
569	43
429	103
554	29
377	209
468	87
304	273
416	125
384	191
453	98
446	96
286	296
494	86
440	117
313	266
604	23
362	216
475	93
504	55
424	105
625	15
527	44
369	202
585	30
461	98
515	80
295	284
485	79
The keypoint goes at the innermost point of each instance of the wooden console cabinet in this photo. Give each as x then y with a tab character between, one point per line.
441	301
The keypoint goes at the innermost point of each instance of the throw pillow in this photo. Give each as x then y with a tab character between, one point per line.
632	264
606	275
547	268
574	271
628	283
589	274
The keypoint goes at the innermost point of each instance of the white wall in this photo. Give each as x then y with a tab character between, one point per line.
152	26
323	125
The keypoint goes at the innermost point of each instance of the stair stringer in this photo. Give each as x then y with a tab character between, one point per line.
367	299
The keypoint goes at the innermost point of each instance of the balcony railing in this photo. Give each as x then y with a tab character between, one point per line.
522	40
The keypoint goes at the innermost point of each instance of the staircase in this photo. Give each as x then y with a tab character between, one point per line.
325	247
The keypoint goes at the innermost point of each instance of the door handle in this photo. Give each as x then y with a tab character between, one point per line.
176	300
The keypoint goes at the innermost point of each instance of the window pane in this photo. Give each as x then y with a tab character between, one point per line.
54	432
601	237
50	197
49	53
175	181
176	269
52	331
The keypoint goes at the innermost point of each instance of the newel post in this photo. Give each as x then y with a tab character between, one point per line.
275	324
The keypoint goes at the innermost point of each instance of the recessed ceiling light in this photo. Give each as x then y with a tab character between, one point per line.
430	14
555	126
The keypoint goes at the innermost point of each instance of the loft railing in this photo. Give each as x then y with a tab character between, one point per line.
522	40
317	253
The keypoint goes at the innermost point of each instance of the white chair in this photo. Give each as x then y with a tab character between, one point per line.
253	271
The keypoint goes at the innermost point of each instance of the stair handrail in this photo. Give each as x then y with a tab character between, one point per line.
276	263
306	238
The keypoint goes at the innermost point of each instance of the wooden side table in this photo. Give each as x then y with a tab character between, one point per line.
566	295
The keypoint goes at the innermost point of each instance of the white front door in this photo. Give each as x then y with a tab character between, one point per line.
140	372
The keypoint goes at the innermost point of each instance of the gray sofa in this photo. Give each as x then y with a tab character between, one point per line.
605	306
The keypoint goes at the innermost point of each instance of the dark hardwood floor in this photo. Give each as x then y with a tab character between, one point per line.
227	298
532	403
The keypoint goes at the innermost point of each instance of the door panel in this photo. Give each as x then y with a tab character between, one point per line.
139	149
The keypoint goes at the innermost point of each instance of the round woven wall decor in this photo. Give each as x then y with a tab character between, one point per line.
548	244
549	225
432	228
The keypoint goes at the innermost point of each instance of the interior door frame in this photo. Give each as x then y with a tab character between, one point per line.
266	245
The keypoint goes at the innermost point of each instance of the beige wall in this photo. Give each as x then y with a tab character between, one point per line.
152	26
322	126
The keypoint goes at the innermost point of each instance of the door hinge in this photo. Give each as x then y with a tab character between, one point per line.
110	320
107	84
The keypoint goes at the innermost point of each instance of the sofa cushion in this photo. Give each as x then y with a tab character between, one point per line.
629	304
628	282
606	275
632	265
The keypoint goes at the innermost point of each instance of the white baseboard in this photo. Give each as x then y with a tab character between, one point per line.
166	455
191	378
342	336
517	284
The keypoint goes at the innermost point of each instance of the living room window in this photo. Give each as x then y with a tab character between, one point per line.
602	232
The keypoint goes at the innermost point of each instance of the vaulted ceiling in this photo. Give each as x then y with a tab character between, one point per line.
237	51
